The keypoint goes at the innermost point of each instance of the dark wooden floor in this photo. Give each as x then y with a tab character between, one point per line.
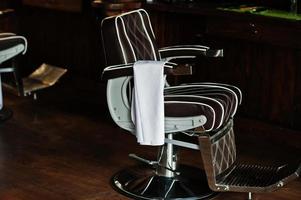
64	146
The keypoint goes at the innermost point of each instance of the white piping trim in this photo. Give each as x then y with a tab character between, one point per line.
7	34
186	46
114	68
119	40
150	26
227	85
210	86
151	43
128	39
118	34
117	31
182	49
177	57
142	10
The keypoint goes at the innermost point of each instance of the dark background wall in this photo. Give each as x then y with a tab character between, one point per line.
262	56
59	37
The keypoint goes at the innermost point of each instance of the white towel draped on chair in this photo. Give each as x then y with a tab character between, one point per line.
148	102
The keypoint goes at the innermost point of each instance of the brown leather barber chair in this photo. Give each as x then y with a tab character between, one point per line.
190	109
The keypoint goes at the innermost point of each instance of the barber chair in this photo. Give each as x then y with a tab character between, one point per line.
190	109
11	46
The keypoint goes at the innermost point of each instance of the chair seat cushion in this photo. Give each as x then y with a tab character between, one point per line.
217	102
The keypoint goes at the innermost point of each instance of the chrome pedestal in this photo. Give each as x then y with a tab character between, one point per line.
5	114
164	179
142	182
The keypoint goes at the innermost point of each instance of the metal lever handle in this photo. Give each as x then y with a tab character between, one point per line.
149	162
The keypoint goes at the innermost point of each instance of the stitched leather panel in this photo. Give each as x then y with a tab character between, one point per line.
223	152
235	89
112	50
139	38
188	110
128	38
225	97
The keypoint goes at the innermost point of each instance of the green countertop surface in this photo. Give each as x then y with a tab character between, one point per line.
261	11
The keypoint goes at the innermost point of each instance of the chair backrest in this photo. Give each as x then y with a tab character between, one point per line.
218	153
127	38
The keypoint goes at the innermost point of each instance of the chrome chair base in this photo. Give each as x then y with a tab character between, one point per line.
5	114
142	182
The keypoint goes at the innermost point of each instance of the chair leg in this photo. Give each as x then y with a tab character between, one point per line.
5	113
249	196
167	160
164	180
18	78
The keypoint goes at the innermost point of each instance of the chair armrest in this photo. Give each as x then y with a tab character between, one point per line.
188	52
116	71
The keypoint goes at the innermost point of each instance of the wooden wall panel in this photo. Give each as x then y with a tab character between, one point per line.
65	39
